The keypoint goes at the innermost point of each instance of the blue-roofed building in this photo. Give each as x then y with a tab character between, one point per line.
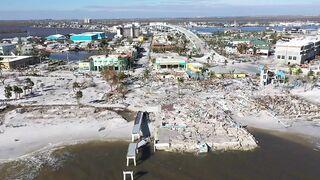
88	36
56	37
84	37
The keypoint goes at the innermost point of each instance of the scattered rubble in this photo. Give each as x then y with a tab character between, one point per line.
200	113
289	107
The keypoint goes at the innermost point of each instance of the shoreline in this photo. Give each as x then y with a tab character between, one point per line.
58	133
53	147
290	136
52	127
308	132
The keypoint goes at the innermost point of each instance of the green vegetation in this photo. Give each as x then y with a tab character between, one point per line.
17	91
79	95
8	91
310	73
29	84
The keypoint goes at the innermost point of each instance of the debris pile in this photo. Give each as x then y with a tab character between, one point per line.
198	112
290	107
194	121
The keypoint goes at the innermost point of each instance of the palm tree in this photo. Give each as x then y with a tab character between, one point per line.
15	90
25	88
29	84
7	91
79	95
19	91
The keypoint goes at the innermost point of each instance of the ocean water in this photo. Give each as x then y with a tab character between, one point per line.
276	158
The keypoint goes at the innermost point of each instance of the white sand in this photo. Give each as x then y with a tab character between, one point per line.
309	95
31	131
263	120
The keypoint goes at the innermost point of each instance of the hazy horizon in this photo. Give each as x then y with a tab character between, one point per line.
112	9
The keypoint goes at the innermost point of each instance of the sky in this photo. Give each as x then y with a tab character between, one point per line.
102	9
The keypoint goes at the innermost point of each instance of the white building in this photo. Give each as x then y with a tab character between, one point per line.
27	49
87	21
298	51
129	31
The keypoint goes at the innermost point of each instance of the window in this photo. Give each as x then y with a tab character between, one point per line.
283	57
279	57
294	58
290	57
163	66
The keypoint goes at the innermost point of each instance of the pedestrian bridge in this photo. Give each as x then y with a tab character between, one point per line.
140	136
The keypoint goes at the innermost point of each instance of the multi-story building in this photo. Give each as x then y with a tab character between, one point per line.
297	51
117	62
14	62
87	21
170	63
128	31
7	49
271	77
88	36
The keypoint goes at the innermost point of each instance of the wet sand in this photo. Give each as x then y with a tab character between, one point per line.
276	158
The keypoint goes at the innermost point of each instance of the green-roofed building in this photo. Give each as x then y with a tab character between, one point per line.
117	62
261	47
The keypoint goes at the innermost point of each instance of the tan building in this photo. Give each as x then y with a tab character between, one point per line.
14	62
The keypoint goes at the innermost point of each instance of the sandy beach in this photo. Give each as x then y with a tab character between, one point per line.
32	129
306	129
